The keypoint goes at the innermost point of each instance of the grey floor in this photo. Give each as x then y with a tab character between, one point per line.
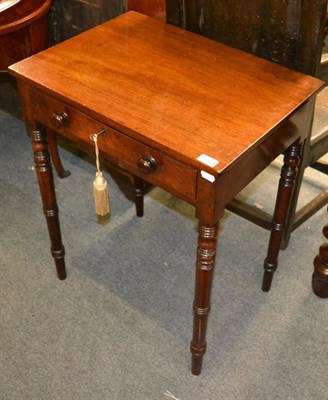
119	327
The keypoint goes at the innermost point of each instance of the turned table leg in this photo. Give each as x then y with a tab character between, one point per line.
139	195
47	189
285	191
320	274
204	276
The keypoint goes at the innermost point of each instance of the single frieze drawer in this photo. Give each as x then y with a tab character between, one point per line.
130	154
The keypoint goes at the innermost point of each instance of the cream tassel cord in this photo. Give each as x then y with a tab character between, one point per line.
100	185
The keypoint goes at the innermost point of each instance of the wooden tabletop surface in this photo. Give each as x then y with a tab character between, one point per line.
182	93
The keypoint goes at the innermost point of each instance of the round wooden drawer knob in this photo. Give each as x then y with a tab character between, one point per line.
147	164
59	119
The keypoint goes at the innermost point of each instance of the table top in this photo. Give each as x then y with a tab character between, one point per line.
179	92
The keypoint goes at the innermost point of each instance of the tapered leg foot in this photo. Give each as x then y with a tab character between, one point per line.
285	191
196	364
320	274
139	196
267	277
320	285
206	253
47	190
53	147
59	258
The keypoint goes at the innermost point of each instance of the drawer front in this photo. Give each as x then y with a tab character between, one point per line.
63	119
166	172
130	154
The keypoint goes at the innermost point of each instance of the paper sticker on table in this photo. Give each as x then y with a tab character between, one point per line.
207	176
210	161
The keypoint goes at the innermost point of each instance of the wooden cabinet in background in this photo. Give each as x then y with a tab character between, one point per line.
23	29
71	17
153	8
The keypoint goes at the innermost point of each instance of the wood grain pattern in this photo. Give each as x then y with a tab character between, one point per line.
183	93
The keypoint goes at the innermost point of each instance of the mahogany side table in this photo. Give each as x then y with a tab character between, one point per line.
185	113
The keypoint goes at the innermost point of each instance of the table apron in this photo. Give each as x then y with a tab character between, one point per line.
170	174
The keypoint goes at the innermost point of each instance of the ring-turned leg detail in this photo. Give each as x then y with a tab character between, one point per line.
47	189
285	191
204	276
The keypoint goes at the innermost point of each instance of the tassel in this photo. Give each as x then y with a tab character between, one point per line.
100	188
101	195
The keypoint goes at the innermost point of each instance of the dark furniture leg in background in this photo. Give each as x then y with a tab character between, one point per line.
53	147
139	195
285	191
